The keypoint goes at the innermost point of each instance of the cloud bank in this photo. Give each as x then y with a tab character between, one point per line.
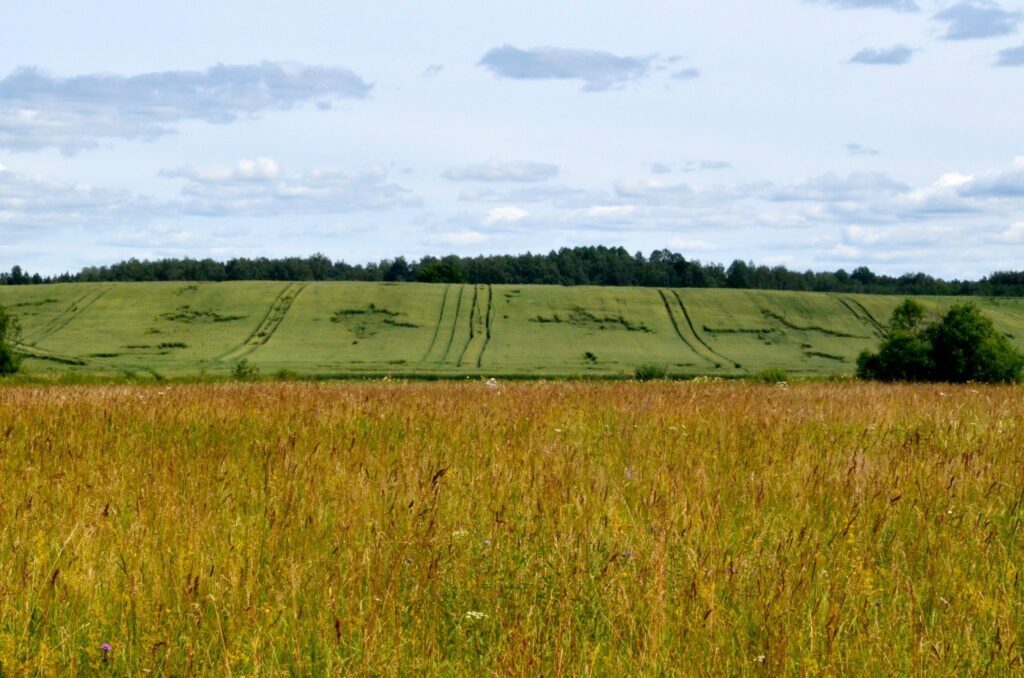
497	171
889	56
897	5
1013	56
599	71
977	19
39	110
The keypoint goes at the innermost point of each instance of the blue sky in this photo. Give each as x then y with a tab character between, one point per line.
815	133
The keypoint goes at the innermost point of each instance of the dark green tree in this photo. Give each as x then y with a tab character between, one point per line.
9	335
962	346
965	346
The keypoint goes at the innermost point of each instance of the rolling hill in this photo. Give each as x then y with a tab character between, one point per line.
408	329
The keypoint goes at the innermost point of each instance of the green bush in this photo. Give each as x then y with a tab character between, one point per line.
962	346
772	375
243	371
9	335
650	371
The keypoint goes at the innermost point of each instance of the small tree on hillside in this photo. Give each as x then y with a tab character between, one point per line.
9	335
962	346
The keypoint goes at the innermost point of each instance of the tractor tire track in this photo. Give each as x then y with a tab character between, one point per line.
879	326
46	329
487	325
440	320
697	336
263	320
455	323
679	332
472	329
66	318
866	317
41	354
271	321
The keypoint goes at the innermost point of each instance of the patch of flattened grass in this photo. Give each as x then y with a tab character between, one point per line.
187	314
368	321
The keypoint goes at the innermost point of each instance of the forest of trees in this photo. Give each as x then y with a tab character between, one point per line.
568	266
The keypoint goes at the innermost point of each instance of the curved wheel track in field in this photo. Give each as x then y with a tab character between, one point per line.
487	325
40	354
472	326
861	316
455	323
271	321
76	309
693	328
679	332
879	327
440	321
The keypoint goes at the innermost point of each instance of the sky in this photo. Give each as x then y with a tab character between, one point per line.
817	134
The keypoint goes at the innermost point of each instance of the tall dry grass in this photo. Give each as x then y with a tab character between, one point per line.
556	529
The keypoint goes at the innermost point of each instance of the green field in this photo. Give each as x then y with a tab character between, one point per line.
352	329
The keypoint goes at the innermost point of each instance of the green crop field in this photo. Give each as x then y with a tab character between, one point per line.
352	329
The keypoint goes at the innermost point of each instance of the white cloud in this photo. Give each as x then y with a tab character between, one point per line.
1014	233
260	188
610	211
652	190
260	169
462	238
505	214
690	245
498	171
832	187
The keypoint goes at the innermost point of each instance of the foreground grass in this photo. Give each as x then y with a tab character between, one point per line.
525	529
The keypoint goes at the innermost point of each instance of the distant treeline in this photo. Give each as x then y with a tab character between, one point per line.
568	266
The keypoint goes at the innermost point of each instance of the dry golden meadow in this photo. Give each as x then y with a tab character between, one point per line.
523	529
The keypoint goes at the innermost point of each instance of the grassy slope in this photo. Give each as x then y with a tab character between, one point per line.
450	330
